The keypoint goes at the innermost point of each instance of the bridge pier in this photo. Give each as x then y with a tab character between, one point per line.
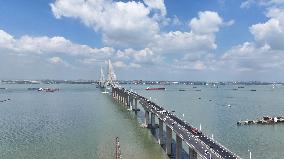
124	99
131	102
135	105
120	96
153	123
169	141
178	147
146	120
127	100
161	131
192	153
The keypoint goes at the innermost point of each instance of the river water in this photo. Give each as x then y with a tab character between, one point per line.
79	122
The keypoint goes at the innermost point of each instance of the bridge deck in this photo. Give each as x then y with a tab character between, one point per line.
199	142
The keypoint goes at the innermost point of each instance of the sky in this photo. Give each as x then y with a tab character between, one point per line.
220	40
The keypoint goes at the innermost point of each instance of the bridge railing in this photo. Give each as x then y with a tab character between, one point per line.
151	105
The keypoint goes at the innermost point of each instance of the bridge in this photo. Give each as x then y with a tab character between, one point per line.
198	143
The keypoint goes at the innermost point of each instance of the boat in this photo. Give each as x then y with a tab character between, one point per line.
48	89
159	88
51	89
181	90
253	90
3	88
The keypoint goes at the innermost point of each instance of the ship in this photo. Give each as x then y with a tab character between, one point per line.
151	89
160	88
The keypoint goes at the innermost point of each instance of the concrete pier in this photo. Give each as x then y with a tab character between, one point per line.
169	141
146	120
153	123
124	98
192	153
131	102
161	131
135	106
178	147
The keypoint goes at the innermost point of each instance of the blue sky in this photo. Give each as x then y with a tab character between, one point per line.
146	39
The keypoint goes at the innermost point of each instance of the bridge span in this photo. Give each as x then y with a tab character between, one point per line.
198	143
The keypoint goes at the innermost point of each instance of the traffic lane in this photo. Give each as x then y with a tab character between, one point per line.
192	141
180	130
216	148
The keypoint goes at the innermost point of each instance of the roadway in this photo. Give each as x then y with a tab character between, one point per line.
204	146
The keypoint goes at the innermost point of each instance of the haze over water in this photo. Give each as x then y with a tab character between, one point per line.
81	122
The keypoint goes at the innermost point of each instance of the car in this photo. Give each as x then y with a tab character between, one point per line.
196	131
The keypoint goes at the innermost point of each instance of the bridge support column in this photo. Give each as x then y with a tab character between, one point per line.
128	100
113	92
116	95
146	118
135	105
121	97
131	102
169	141
153	123
178	147
124	99
161	131
192	153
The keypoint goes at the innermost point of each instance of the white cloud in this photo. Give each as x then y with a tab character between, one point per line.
135	26
248	3
121	23
183	42
250	57
208	22
145	56
272	31
157	4
50	45
56	60
266	52
119	64
6	40
135	65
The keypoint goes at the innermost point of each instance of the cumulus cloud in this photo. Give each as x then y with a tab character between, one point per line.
57	60
157	4
49	45
119	64
6	40
121	23
145	56
248	3
134	27
266	52
207	22
272	31
178	42
250	57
